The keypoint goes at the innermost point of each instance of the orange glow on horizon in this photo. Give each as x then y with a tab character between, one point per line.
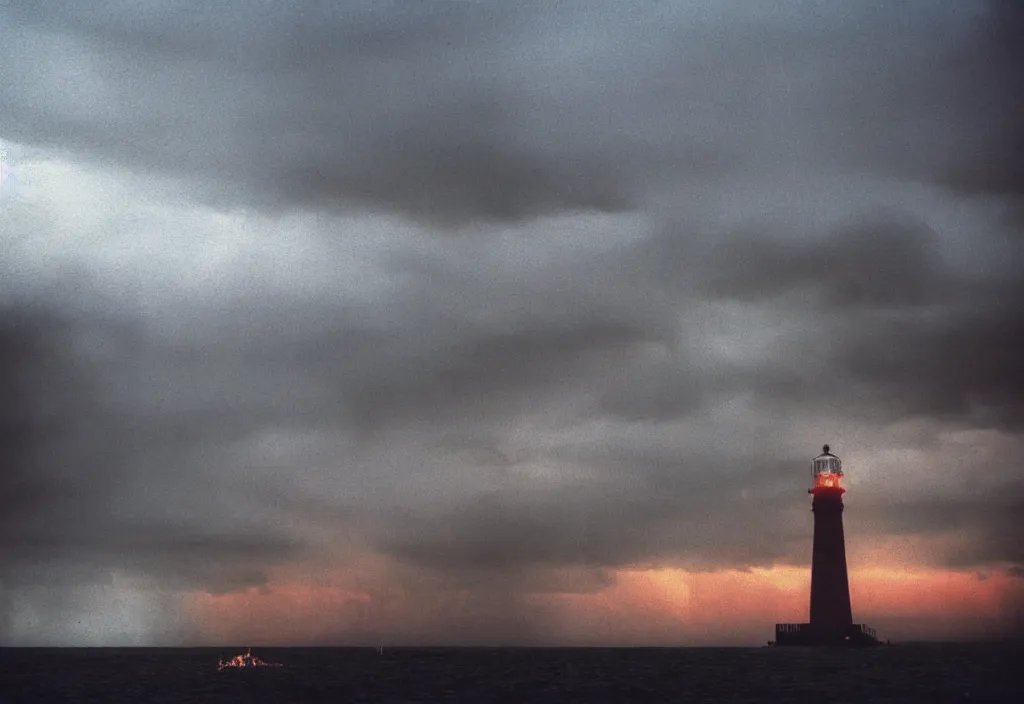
656	606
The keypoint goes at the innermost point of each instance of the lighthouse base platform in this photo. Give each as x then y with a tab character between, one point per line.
806	634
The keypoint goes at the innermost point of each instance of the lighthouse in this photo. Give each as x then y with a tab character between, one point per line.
830	585
831	621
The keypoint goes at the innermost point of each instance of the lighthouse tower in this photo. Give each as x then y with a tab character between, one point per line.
830	585
831	615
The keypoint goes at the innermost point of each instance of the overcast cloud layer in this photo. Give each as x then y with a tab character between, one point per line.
507	294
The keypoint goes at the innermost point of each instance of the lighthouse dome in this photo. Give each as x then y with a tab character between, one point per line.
827	463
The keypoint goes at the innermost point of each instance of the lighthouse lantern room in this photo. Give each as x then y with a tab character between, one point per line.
828	473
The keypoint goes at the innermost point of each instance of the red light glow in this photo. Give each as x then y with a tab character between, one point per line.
827	479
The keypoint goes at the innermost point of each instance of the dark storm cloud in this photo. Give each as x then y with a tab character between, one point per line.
554	391
990	82
629	506
406	108
873	311
889	330
665	389
453	111
899	329
495	372
953	369
77	453
943	110
885	262
40	391
123	444
990	523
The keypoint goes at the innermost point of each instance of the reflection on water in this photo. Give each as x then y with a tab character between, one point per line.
246	660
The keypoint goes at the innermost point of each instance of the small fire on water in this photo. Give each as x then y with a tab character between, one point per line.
247	660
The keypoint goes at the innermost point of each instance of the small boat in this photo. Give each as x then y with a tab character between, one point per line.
246	661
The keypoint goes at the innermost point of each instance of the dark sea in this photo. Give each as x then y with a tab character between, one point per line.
895	673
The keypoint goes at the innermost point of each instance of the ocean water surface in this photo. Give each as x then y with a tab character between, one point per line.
896	673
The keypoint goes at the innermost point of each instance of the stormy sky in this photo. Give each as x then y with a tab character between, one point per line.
487	322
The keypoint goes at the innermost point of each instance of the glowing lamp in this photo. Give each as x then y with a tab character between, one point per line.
828	473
